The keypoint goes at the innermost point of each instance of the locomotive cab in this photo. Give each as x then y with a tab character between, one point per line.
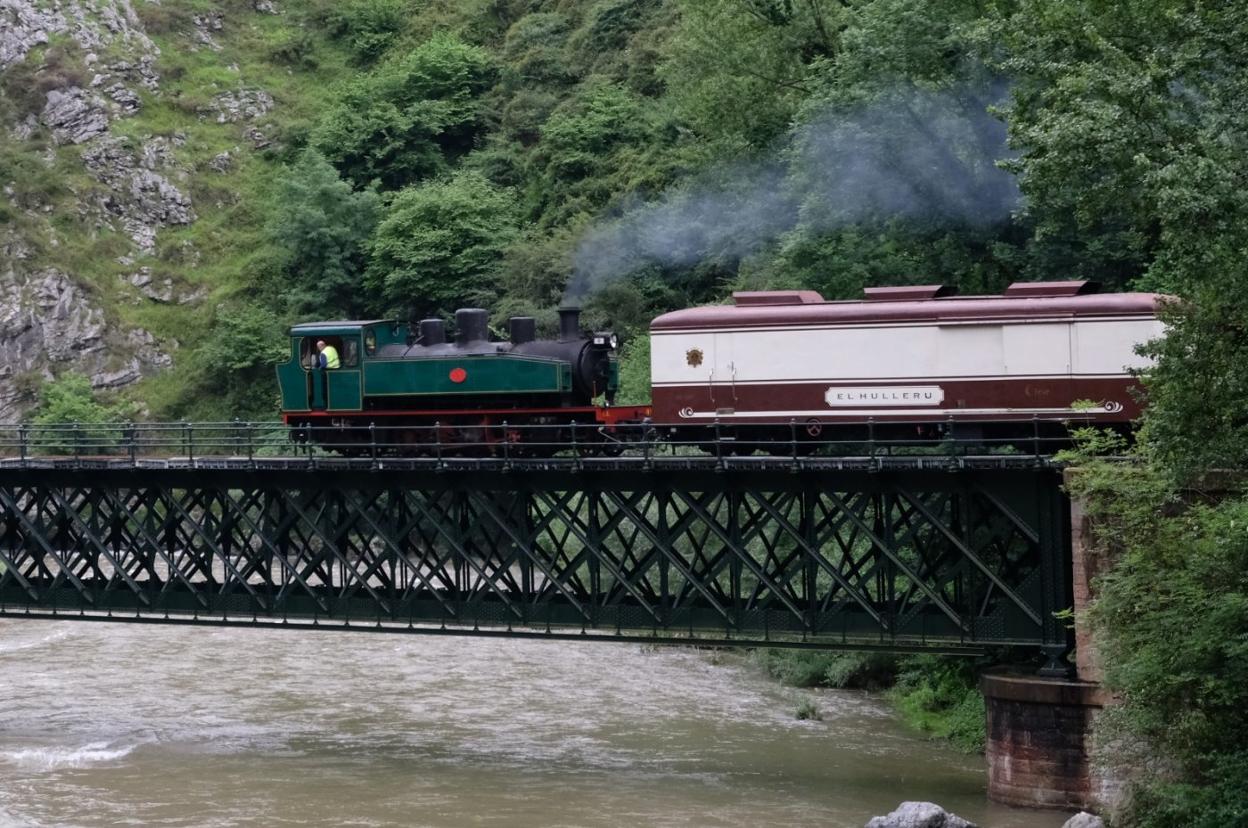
306	386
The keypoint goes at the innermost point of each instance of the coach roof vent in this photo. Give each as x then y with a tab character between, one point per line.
1073	288
754	298
909	293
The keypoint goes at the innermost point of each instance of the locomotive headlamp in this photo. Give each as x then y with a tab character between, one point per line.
607	340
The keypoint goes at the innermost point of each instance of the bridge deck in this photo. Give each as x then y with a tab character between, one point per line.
631	462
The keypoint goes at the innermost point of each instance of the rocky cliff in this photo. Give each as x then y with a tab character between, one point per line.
101	165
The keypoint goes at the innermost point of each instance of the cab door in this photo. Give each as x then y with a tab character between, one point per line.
313	376
342	384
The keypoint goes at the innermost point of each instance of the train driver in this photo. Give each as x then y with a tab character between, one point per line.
329	354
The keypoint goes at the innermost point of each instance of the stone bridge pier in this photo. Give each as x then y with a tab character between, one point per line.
1040	727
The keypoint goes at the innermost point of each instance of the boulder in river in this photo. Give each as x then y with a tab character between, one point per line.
1084	820
919	815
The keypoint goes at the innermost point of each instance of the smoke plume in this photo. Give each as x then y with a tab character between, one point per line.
913	154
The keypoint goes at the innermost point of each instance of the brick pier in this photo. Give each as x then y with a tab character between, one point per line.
1039	744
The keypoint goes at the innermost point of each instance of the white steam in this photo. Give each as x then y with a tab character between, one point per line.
913	155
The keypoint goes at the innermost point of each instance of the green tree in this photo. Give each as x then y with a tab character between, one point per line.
1132	133
440	243
321	228
736	72
1172	624
407	118
599	146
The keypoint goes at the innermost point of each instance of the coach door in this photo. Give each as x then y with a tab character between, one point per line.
1038	367
722	381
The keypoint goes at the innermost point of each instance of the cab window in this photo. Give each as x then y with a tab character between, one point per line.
349	351
307	352
370	342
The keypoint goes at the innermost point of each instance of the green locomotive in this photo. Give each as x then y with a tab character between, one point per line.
399	388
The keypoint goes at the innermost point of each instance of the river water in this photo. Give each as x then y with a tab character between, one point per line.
107	724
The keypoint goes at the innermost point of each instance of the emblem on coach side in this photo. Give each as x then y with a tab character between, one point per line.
693	356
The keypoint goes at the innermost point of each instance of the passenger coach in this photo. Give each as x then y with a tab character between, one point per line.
908	360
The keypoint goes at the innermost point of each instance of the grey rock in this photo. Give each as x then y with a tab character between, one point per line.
241	105
93	24
919	815
1084	820
142	71
143	199
265	6
48	322
75	116
26	128
127	101
222	162
257	137
205	25
23	27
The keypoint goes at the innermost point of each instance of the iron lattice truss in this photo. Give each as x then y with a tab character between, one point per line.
898	560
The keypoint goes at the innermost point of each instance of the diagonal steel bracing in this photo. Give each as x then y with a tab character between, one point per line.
907	560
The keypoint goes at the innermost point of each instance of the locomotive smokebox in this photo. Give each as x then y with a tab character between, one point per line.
432	332
569	324
522	329
471	325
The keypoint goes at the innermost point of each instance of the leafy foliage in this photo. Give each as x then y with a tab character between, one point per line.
409	117
369	26
321	228
1172	622
236	362
69	419
440	243
941	696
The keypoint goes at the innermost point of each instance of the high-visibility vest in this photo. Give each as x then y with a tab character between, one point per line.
331	356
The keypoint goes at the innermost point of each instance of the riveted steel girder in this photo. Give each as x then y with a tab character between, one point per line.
916	559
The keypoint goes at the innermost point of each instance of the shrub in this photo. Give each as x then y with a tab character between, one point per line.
369	27
807	710
812	668
1172	624
398	124
941	696
69	419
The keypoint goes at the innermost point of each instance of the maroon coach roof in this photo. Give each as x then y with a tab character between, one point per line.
754	314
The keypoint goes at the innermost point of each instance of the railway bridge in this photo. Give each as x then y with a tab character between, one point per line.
944	551
955	548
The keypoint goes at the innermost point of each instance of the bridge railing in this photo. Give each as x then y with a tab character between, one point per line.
571	441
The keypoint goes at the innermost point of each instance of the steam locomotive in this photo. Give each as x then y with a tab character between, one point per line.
415	390
903	362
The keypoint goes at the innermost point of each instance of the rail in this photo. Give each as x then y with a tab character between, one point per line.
274	444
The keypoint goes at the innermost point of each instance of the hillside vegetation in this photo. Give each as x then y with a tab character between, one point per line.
181	180
403	157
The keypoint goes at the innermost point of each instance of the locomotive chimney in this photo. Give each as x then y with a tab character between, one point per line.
471	325
569	324
522	329
432	332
